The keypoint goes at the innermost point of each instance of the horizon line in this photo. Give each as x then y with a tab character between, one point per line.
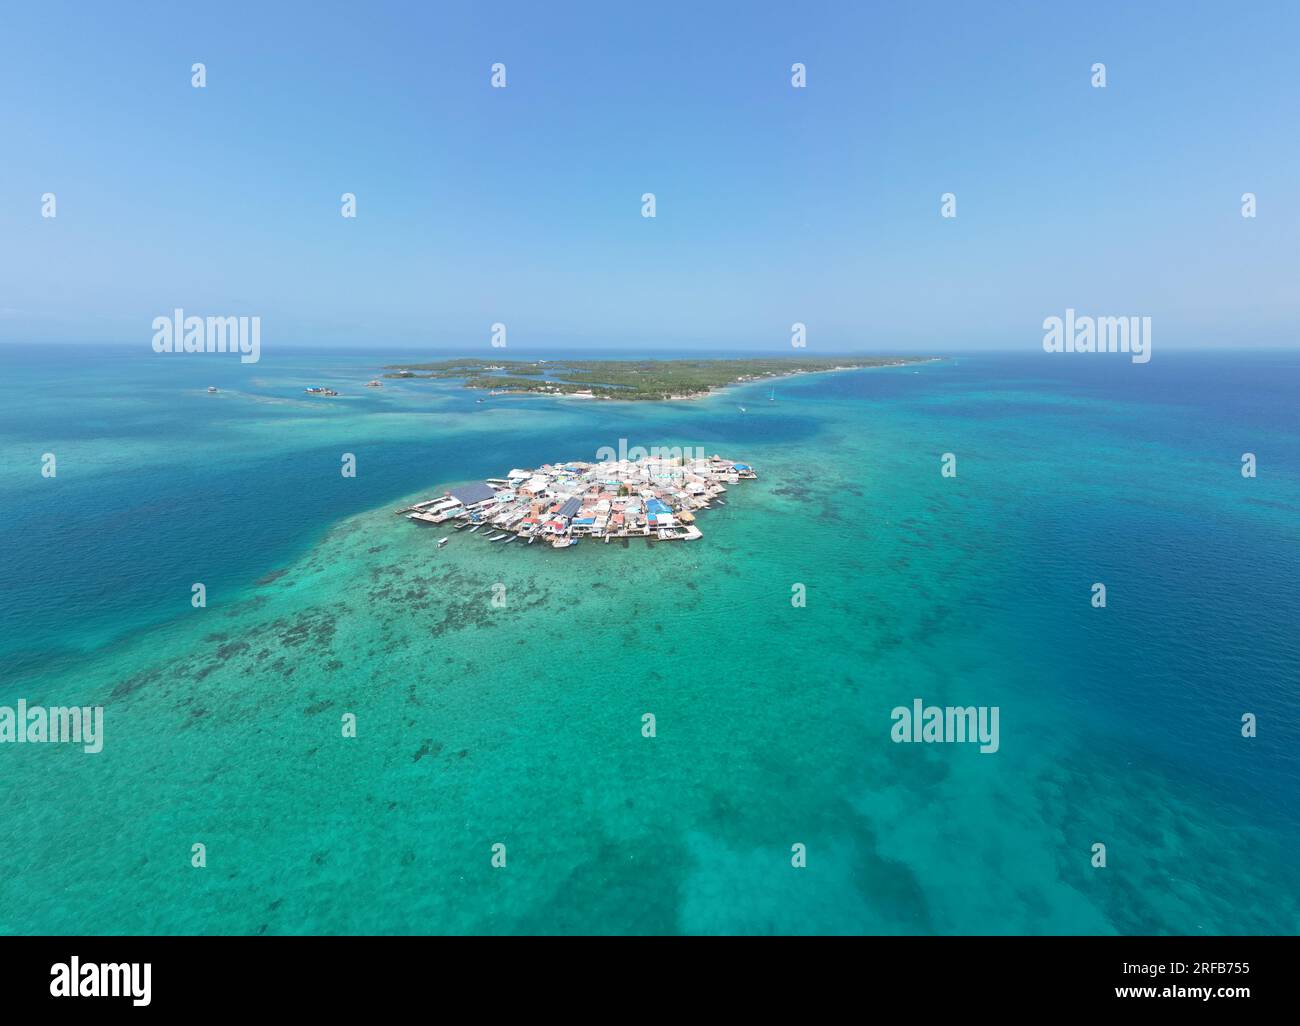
641	349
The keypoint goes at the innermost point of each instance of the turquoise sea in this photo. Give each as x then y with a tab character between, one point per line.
522	725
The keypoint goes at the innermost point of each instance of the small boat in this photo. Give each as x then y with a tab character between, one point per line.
772	398
443	541
742	409
480	400
212	388
511	538
497	537
532	539
720	502
475	528
374	383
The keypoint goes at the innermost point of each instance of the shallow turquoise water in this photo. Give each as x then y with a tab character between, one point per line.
521	725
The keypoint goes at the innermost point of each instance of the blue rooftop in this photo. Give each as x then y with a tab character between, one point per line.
468	495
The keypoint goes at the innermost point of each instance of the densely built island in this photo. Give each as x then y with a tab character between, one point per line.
561	503
631	379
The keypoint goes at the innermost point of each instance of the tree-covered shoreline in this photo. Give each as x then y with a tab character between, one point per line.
631	379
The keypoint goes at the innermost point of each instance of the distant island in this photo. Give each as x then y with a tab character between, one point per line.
631	379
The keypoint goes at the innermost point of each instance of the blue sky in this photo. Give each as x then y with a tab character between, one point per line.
775	205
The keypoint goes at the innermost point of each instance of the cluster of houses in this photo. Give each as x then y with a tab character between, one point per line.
562	503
